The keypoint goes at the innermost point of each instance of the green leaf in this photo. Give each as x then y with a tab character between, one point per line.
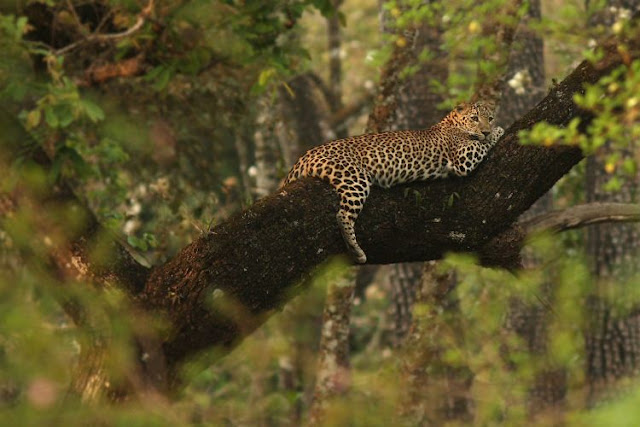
50	117
452	199
64	114
150	240
93	111
613	184
163	79
153	74
266	76
33	119
56	168
342	18
21	25
629	166
137	243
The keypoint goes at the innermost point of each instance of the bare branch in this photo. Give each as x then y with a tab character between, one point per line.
97	37
503	250
581	216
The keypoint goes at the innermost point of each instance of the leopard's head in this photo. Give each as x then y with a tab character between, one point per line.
473	118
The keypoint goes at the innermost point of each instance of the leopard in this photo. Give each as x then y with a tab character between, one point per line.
455	146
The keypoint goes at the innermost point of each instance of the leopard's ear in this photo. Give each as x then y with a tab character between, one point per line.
461	107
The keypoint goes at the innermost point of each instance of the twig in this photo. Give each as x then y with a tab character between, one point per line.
75	14
95	37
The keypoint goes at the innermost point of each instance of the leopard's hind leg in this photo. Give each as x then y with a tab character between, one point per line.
353	188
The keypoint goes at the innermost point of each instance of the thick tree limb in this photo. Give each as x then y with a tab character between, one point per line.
259	258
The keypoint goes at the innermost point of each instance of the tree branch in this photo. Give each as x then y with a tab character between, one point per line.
581	216
258	260
503	250
98	37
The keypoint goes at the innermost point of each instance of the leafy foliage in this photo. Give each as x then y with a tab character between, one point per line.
615	106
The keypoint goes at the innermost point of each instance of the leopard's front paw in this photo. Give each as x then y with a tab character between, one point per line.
496	134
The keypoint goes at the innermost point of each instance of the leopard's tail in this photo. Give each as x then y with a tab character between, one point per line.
303	168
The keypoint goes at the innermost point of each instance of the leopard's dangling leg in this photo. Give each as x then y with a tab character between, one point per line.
352	198
346	222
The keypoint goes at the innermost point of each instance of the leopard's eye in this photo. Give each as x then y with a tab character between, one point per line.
475	118
490	118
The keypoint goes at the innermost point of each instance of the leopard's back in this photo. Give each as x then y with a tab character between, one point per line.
386	159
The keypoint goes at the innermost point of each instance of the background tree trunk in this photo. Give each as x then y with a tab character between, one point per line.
333	375
613	335
266	150
305	117
454	402
417	108
524	88
335	65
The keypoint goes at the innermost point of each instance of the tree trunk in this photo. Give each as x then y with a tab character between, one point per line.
266	150
334	37
524	88
437	390
611	339
334	370
613	336
417	108
525	77
409	103
305	116
525	53
333	374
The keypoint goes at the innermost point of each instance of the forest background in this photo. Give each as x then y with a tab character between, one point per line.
131	129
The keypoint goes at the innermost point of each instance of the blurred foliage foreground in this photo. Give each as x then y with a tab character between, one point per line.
109	114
